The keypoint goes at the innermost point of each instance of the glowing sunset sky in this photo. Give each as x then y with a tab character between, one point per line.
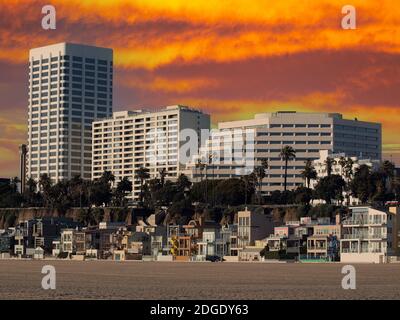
230	58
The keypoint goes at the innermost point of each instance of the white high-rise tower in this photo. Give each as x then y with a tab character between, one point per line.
70	85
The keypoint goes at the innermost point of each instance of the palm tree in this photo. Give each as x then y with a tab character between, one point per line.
87	190
31	185
76	186
329	162
348	170
396	188
309	173
107	177
342	162
200	166
123	187
387	169
253	182
360	184
247	179
14	184
265	165
209	162
163	173
45	186
30	191
142	174
287	154
183	183
260	173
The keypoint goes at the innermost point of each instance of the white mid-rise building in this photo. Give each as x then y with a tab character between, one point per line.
337	168
345	169
237	146
70	85
151	139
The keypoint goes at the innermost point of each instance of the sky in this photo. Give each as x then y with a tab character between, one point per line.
229	58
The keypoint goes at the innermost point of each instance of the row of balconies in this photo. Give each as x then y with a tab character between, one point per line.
134	127
363	250
362	222
365	236
110	127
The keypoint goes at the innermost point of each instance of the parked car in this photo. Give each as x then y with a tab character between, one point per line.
214	258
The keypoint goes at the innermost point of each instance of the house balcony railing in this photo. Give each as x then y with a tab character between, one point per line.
362	222
355	236
374	251
353	222
316	248
364	236
380	236
363	250
348	250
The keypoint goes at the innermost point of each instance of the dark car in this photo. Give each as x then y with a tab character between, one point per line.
214	258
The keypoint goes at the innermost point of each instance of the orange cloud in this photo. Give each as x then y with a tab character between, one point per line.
214	31
170	85
154	40
223	110
12	133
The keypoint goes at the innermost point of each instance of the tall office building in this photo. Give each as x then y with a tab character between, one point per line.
151	139
307	133
70	85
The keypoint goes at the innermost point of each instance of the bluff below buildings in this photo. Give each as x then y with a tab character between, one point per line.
11	216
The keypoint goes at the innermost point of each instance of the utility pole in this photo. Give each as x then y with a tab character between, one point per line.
22	167
211	162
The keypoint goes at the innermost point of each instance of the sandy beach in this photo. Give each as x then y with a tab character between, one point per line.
166	280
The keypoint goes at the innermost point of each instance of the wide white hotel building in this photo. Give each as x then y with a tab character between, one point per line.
307	133
130	140
70	85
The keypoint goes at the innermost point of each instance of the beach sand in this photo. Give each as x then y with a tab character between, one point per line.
181	280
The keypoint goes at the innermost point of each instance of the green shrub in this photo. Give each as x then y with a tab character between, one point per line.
10	220
279	255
